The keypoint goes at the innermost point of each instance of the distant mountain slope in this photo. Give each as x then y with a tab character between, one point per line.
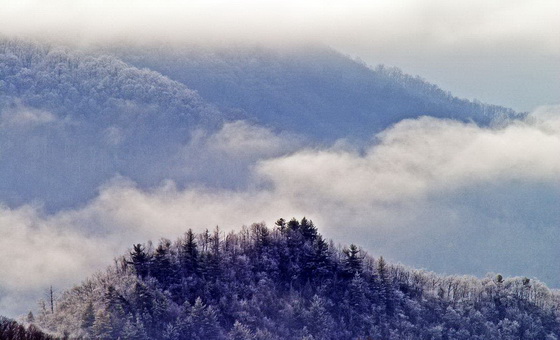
289	283
69	121
69	82
314	90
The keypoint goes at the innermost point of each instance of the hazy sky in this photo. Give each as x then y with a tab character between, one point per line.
505	52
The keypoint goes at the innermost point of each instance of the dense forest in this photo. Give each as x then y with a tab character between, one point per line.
288	282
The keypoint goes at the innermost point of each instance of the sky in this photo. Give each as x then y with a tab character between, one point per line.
504	52
425	191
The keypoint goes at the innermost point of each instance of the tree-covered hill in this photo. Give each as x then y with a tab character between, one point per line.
301	87
70	120
288	282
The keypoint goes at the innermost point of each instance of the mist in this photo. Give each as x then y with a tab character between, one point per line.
502	52
444	195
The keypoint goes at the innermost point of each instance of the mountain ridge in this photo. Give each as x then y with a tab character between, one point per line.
302	86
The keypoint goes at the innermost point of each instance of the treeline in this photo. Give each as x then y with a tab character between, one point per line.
288	282
11	330
466	109
314	86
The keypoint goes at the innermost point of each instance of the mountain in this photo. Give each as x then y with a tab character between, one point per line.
289	283
311	90
70	121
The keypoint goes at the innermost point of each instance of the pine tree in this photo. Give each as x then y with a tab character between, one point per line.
384	286
308	230
204	321
102	327
353	261
170	332
141	260
88	317
281	224
318	321
189	253
30	318
163	268
240	332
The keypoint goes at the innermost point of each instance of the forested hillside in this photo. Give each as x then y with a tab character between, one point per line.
296	88
288	282
73	118
67	81
69	121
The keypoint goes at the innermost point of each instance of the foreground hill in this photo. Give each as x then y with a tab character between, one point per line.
289	283
302	87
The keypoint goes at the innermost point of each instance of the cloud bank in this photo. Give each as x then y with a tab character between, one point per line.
435	22
510	48
439	194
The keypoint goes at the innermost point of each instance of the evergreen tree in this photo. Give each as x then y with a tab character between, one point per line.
240	332
141	260
204	321
133	329
308	230
189	253
88	317
30	318
353	261
102	328
171	332
163	268
319	322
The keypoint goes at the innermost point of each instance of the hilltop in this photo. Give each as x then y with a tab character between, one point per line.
288	282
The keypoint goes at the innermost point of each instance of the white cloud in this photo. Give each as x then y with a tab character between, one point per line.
510	48
418	157
434	193
434	22
241	140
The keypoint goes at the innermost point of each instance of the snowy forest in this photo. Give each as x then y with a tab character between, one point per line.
288	282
